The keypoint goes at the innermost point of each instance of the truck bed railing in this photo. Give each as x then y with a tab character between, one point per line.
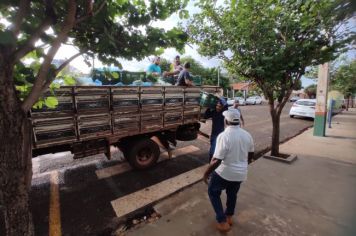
113	112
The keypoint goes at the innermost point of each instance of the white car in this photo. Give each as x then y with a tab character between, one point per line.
254	100
230	102
304	108
241	100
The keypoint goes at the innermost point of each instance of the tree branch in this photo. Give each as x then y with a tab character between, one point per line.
61	67
67	26
81	19
23	8
28	46
64	64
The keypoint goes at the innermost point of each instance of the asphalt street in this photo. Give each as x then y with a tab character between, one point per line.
73	197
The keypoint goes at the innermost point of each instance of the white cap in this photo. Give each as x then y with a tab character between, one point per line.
232	115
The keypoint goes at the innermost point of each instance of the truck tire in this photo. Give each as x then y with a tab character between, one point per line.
142	154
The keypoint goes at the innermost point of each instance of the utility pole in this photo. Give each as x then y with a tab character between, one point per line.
93	62
321	100
218	76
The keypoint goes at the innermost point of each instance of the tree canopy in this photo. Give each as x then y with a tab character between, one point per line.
272	42
33	32
108	29
344	79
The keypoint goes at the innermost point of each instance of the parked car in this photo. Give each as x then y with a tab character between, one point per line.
241	100
254	100
230	102
294	99
304	108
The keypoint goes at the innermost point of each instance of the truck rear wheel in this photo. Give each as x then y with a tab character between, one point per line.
142	154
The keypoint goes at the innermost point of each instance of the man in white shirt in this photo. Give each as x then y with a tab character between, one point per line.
234	147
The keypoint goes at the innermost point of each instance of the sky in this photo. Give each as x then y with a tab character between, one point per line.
190	50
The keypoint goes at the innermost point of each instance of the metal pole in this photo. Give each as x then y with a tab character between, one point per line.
218	76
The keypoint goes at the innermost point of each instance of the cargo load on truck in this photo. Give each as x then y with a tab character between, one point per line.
116	77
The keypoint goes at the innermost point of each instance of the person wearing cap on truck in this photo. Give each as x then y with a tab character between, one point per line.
218	125
228	168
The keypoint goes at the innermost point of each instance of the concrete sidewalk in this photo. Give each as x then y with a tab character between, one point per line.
313	196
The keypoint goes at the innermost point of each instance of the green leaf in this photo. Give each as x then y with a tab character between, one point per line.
51	102
233	3
22	88
38	104
115	75
54	86
69	80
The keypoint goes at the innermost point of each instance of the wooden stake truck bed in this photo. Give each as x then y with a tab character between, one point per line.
88	120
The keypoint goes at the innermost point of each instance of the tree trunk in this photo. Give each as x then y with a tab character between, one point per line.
348	103
275	135
15	159
275	129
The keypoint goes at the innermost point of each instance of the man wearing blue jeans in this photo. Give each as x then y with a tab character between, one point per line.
217	123
228	168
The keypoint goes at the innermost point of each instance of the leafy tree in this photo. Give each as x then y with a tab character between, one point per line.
344	80
311	91
107	29
312	72
272	42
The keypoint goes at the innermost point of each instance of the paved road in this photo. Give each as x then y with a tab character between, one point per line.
76	197
259	123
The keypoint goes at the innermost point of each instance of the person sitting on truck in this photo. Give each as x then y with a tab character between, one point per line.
175	68
218	124
154	69
184	78
171	76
